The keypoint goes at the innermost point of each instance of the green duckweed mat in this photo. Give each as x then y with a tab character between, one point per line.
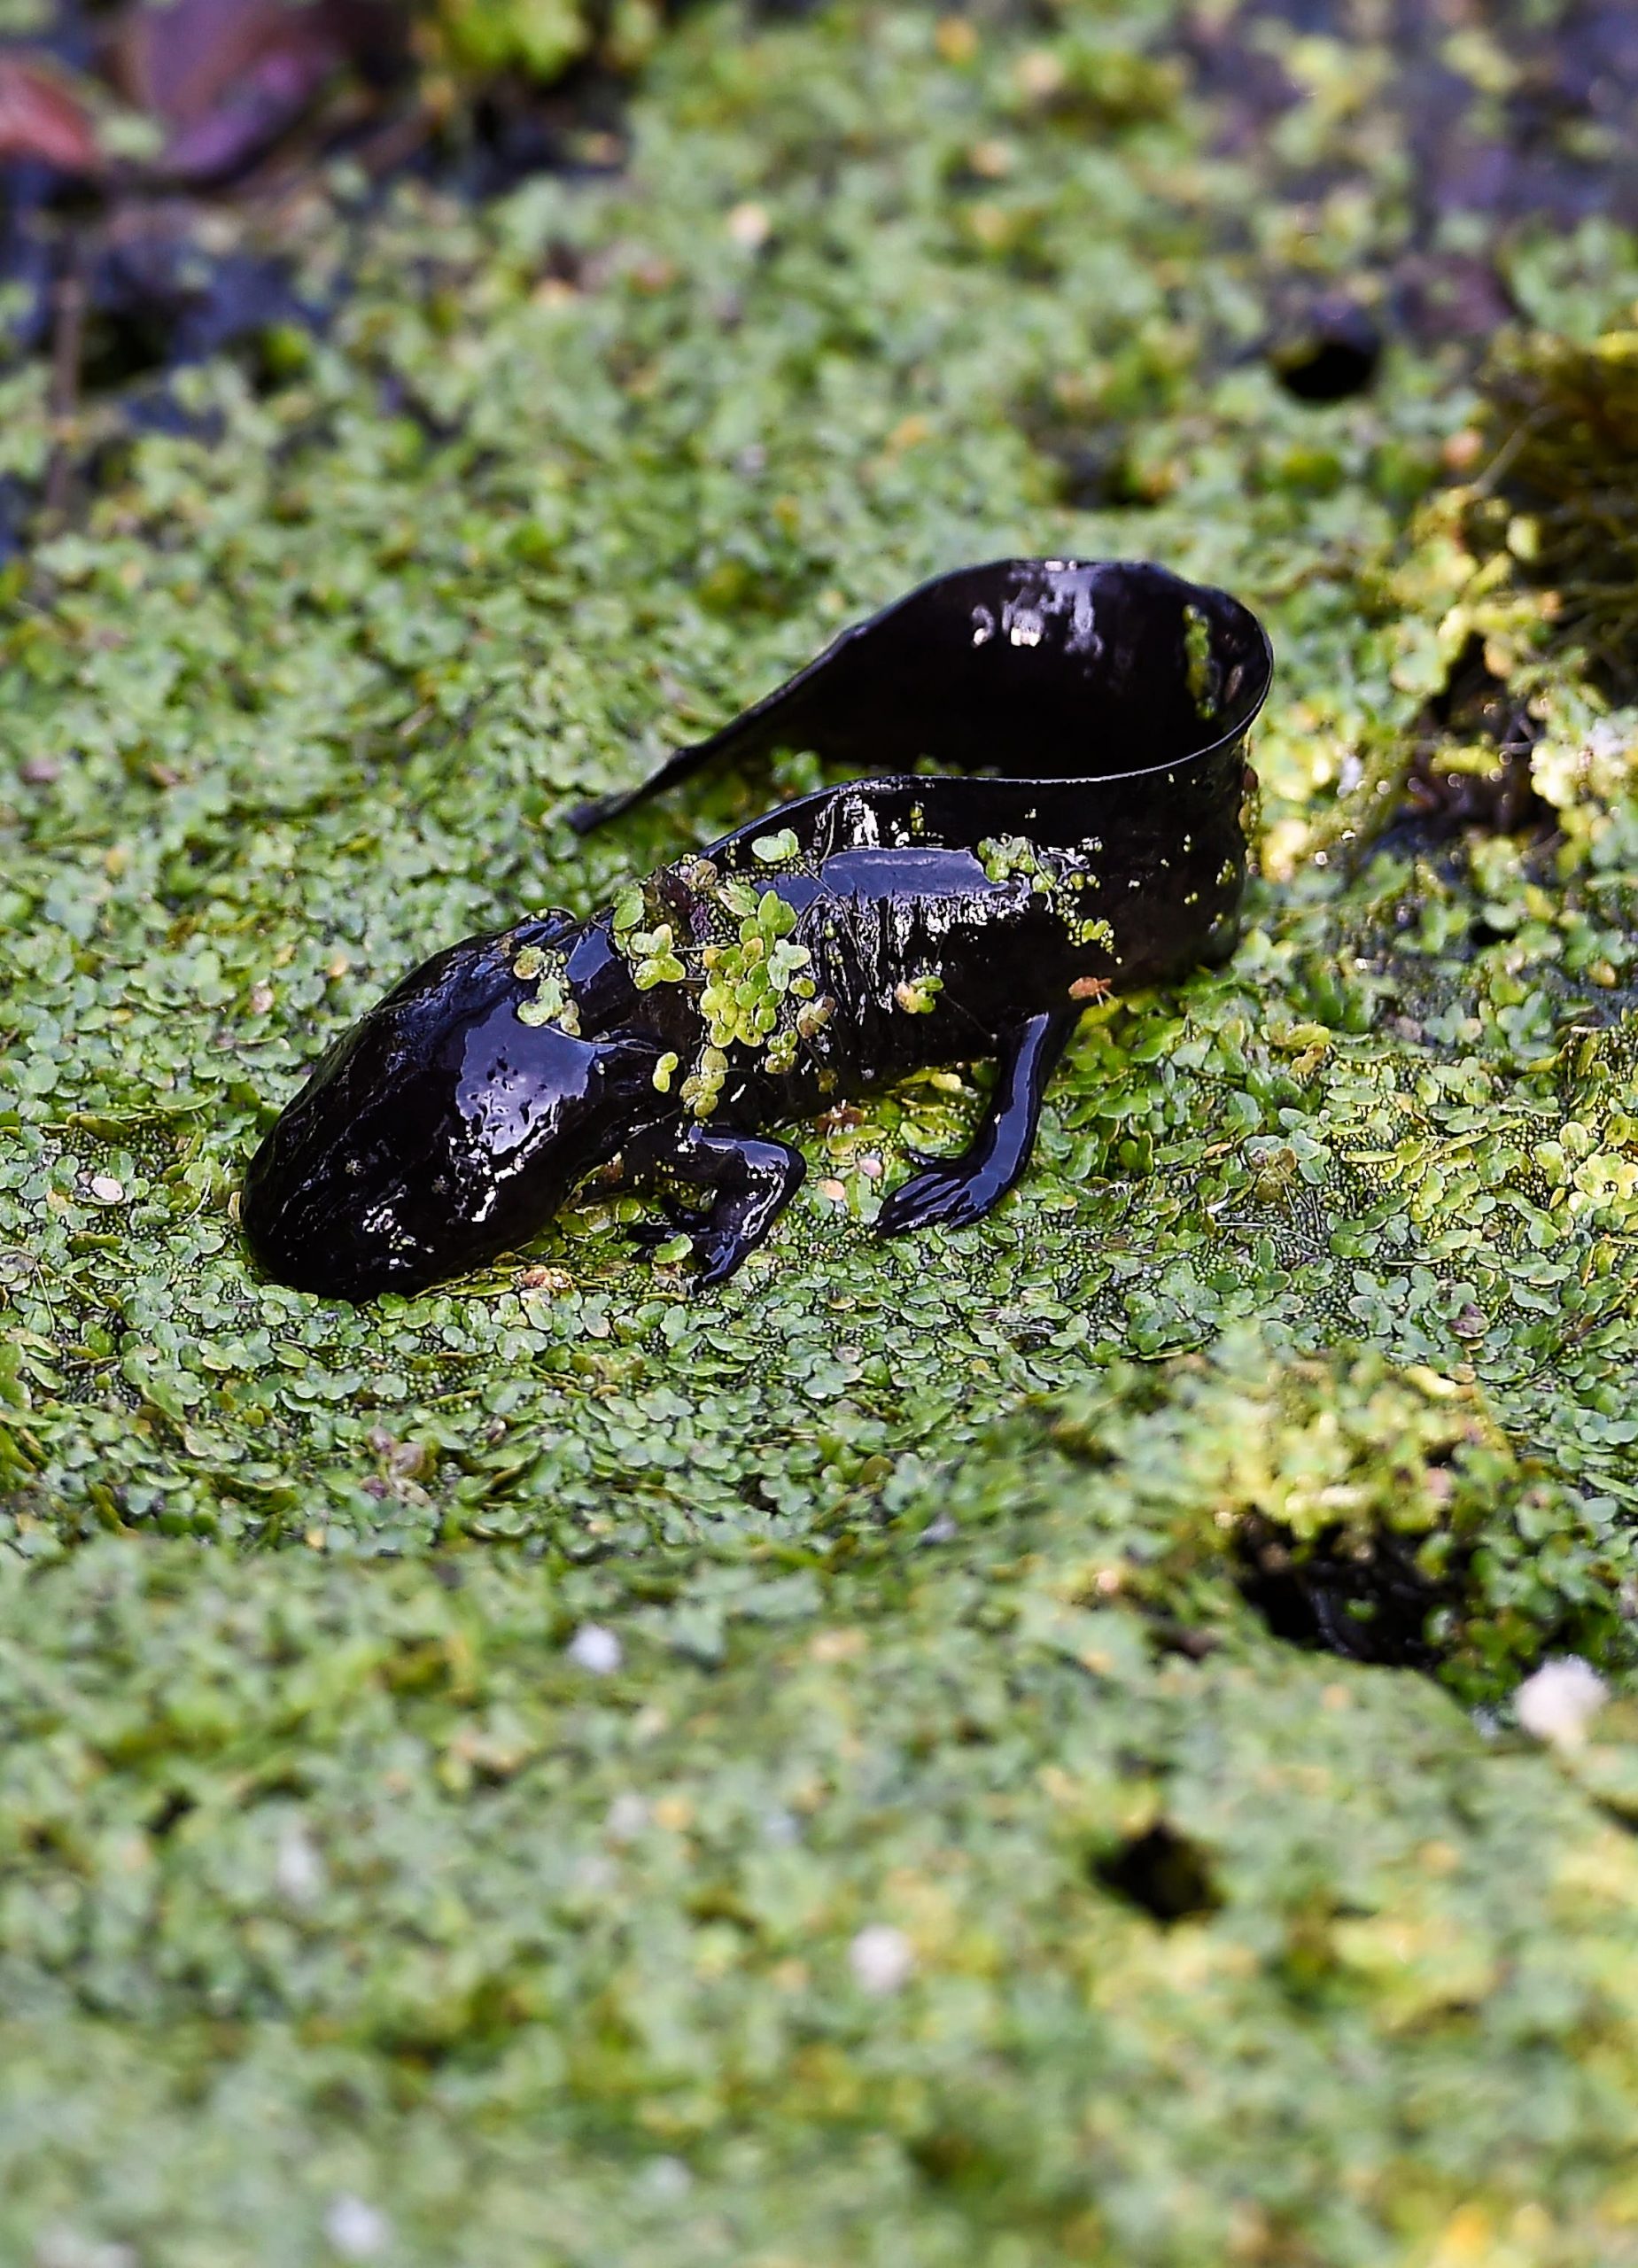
565	1771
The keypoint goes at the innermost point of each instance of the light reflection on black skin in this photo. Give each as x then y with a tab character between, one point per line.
444	1130
439	1131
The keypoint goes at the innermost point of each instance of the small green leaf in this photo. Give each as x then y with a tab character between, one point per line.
774	917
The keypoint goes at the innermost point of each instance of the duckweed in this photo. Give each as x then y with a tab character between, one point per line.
348	1899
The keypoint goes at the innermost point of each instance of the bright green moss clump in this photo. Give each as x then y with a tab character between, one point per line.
819	1928
542	39
561	1769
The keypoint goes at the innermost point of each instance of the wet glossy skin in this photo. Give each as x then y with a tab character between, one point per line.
843	940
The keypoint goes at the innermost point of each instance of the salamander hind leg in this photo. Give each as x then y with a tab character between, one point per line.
748	1182
960	1191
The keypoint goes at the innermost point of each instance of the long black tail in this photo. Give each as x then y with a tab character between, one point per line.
794	715
1046	669
681	764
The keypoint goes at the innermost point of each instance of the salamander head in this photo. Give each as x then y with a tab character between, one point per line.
441	1130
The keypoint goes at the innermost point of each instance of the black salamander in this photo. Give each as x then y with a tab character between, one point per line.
1083	834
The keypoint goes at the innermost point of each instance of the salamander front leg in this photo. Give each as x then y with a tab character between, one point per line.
965	1189
749	1183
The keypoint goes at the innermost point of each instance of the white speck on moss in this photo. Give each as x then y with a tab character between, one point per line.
883	1958
596	1648
65	2247
1560	1701
356	2230
667	2180
628	1815
106	1189
297	1869
750	226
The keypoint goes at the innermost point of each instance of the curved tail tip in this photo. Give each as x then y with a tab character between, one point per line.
584	817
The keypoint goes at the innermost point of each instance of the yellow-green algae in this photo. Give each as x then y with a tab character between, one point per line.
541	39
347	1907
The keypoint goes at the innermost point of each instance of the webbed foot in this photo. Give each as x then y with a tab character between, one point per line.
714	1253
956	1191
649	1236
749	1182
953	1195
